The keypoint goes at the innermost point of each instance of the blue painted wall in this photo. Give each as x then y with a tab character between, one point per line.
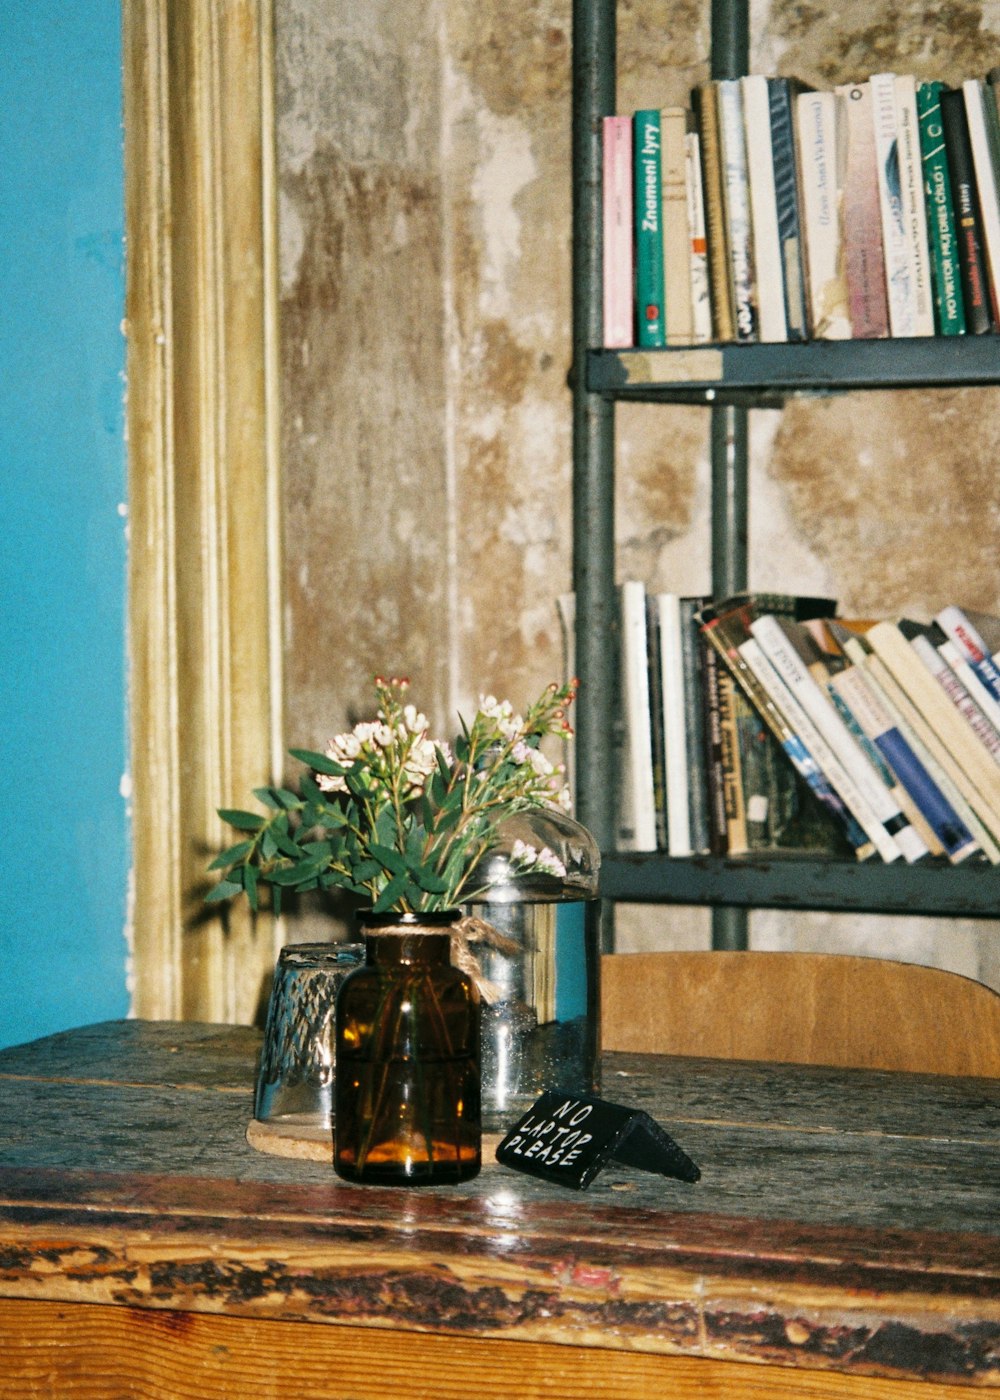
65	841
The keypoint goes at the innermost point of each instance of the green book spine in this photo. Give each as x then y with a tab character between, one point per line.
649	230
946	277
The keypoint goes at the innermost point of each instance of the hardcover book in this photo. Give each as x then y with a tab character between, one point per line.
617	216
647	196
864	260
949	310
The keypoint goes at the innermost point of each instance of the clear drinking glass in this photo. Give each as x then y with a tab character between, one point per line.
295	1080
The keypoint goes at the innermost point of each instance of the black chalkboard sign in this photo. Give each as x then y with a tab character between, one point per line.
567	1138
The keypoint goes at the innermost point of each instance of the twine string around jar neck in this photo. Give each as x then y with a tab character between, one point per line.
463	933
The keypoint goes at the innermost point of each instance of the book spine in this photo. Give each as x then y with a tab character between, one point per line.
786	194
949	311
954	836
795	748
963	635
959	696
975	95
723	323
807	735
736	203
911	193
639	828
692	646
715	784
732	776
701	297
898	273
953	658
817	140
768	272
616	229
673	700
929	748
864	260
939	712
961	173
897	832
654	643
648	230
676	233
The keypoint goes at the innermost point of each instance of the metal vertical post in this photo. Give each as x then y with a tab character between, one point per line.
730	57
593	432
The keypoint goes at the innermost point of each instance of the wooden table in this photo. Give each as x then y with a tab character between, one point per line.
845	1233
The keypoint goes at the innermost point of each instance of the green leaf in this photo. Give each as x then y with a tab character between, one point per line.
293	874
268	846
365	870
388	858
394	890
319	762
276	900
285	844
267	797
250	885
243	821
232	855
428	881
225	889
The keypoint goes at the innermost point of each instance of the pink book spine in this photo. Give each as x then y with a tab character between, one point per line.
864	257
617	233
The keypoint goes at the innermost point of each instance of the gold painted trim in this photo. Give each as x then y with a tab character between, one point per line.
204	571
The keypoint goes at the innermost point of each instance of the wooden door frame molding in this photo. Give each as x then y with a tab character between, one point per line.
204	500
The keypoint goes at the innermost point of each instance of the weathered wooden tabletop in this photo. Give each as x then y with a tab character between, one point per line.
844	1221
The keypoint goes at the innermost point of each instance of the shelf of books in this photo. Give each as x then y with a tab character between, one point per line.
733	373
813	882
772	753
775	237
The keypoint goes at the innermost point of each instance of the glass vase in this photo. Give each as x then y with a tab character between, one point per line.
407	1098
539	956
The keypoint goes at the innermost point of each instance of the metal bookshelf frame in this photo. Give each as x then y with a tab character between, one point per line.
728	379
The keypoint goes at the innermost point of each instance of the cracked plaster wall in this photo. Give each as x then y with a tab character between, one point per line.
424	224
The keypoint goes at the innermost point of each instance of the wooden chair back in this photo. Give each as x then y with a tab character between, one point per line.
801	1008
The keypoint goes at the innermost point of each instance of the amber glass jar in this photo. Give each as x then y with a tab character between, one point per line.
406	1105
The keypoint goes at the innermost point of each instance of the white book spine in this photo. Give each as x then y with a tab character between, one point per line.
674	726
819	160
701	297
638	726
897	263
989	199
768	267
958	695
736	196
960	630
821	711
786	700
914	207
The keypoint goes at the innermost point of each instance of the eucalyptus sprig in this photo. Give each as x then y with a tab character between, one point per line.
397	817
